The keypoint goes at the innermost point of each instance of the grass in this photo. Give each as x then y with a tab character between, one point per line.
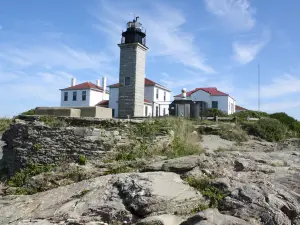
4	124
37	146
53	121
21	177
184	141
212	193
227	131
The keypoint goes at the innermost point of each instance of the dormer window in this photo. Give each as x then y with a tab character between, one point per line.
126	81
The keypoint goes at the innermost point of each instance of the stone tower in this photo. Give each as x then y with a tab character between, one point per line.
132	70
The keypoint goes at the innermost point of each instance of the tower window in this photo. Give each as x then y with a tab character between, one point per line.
127	81
66	96
157	93
74	96
83	95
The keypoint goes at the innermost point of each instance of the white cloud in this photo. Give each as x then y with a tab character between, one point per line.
165	38
237	14
245	52
55	56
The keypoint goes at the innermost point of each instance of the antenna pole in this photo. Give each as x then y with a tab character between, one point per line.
258	79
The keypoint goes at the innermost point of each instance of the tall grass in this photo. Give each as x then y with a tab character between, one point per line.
184	140
4	124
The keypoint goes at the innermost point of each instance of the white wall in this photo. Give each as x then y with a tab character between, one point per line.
150	94
231	105
79	102
92	98
113	100
202	96
163	105
96	97
149	110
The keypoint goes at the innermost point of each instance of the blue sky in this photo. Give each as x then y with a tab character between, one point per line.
191	44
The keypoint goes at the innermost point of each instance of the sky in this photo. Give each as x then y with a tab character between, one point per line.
192	44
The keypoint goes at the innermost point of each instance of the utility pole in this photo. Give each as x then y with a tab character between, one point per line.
258	86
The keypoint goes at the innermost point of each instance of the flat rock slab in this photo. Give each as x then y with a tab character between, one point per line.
123	197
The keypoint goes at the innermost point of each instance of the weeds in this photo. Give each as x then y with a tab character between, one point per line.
204	186
53	121
37	146
4	124
82	160
20	178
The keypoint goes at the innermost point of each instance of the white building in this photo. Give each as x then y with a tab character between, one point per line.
213	97
156	99
84	94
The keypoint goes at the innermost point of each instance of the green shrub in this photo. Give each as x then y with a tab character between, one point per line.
37	146
21	177
289	121
267	129
216	112
82	160
4	124
204	186
29	112
242	115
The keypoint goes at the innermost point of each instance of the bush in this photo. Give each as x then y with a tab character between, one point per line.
267	129
289	121
29	112
215	112
249	113
82	160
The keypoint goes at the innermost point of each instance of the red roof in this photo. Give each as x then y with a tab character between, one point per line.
105	102
239	108
213	91
147	101
85	85
147	83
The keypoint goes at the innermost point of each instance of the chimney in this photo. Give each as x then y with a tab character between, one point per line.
104	84
73	81
98	83
183	93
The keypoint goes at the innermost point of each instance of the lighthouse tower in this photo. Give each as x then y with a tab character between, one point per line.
132	70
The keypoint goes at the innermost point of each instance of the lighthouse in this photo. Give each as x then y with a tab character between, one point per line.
132	70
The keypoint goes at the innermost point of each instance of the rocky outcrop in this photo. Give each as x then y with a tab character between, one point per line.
36	142
123	197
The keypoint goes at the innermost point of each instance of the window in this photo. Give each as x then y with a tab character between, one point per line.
83	95
74	95
165	96
113	112
127	81
157	93
146	110
157	111
66	96
164	113
214	104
